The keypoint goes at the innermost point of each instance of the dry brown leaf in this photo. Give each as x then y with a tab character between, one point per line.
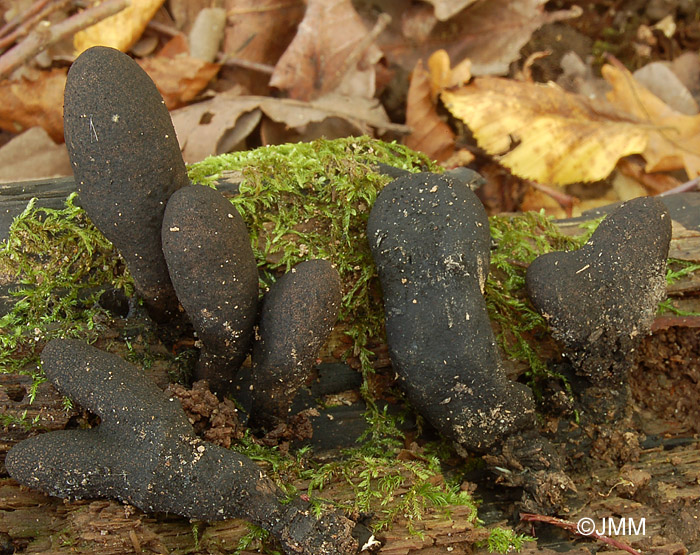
274	133
544	133
201	126
179	79
33	155
261	30
430	134
445	9
490	33
325	54
207	128
178	76
673	138
121	31
34	99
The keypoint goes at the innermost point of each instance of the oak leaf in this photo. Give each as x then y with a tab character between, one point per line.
325	54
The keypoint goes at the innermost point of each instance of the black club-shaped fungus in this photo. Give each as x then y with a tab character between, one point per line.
146	453
601	300
127	163
430	239
213	269
298	314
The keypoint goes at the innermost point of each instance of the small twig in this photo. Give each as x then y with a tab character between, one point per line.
31	20
565	201
531	59
572	527
163	29
45	35
246	64
19	18
682	188
360	48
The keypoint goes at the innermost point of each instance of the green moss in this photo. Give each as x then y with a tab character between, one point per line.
380	481
503	540
519	240
299	201
61	264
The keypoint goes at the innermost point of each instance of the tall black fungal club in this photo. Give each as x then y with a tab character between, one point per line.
213	269
429	236
127	163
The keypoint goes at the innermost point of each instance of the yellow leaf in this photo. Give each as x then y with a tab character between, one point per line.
674	138
544	133
122	30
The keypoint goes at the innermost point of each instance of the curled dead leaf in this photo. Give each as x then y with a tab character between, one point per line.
179	79
430	134
443	76
211	127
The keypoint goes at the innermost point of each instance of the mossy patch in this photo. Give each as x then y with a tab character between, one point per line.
299	201
61	265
